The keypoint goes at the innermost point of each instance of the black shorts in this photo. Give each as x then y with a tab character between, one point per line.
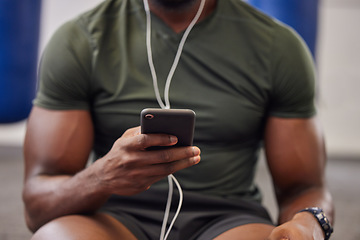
201	217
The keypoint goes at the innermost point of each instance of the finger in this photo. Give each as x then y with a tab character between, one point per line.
170	155
143	141
159	171
132	132
140	178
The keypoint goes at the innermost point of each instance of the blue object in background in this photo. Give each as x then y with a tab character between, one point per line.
19	38
302	15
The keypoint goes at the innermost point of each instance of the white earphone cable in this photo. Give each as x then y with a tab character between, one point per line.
181	197
177	56
171	177
167	210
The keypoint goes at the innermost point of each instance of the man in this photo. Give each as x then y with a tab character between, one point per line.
250	81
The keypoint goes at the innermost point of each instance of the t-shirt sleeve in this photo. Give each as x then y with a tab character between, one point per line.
65	70
293	77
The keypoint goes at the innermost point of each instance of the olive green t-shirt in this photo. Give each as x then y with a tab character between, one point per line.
238	67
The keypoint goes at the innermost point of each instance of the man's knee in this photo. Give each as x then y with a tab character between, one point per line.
76	227
55	229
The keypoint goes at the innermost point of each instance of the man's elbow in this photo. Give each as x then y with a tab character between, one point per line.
31	214
31	224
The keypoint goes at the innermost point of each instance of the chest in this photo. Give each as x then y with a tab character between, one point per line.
226	87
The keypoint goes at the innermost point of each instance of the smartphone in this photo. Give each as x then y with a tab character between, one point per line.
177	122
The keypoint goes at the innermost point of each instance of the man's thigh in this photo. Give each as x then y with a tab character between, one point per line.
254	231
75	227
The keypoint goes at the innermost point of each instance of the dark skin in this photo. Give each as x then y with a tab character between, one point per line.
55	174
179	18
58	188
56	158
296	158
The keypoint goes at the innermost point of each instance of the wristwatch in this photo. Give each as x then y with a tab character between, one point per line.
322	219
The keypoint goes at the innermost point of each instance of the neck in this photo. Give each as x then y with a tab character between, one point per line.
179	14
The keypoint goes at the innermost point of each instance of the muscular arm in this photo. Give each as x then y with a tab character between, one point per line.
56	149
296	157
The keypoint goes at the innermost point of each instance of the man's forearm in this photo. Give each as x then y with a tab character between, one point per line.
49	197
313	197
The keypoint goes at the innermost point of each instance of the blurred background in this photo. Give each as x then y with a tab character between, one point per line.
337	55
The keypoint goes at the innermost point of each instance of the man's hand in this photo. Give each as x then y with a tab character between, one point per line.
129	168
56	151
302	227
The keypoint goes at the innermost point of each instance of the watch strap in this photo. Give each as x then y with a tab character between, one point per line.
322	219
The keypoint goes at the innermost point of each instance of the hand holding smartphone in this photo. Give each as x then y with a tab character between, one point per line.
177	122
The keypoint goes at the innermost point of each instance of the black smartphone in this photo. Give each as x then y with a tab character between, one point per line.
177	122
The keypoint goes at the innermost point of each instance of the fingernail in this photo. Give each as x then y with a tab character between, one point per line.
196	151
196	160
173	139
